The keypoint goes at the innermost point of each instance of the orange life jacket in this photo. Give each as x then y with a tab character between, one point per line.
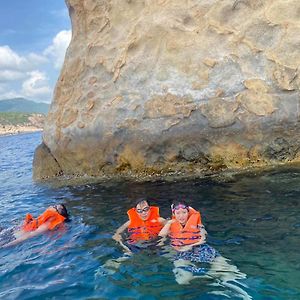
188	234
53	217
144	230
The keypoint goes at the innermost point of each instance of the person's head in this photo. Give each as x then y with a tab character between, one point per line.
180	210
61	209
143	209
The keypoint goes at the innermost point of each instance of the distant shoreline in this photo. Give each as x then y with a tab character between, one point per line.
17	129
12	123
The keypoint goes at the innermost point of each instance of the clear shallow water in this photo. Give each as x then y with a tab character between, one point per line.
252	220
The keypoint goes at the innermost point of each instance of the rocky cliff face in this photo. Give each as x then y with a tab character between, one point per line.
152	87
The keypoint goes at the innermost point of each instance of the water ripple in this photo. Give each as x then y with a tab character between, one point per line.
253	220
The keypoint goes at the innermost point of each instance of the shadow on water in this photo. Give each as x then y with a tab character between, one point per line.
252	220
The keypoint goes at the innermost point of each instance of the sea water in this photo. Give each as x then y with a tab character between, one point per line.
252	220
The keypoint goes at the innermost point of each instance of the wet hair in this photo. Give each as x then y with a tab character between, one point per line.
179	202
63	211
140	200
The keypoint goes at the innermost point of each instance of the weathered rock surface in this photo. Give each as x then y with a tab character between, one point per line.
151	87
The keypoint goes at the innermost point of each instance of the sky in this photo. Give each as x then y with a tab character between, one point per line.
34	36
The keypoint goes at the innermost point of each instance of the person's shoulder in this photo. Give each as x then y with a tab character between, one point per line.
193	210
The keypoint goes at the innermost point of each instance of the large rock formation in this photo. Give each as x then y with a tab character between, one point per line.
152	87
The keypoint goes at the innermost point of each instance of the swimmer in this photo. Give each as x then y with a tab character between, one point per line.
49	220
188	235
188	238
144	224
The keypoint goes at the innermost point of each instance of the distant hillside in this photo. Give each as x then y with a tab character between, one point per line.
23	105
15	122
12	118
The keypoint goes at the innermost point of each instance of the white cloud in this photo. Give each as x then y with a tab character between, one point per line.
57	50
11	60
36	59
10	94
18	75
36	85
25	75
10	75
6	92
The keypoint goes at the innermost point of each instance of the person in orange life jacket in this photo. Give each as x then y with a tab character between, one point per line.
188	237
49	220
187	234
144	223
185	228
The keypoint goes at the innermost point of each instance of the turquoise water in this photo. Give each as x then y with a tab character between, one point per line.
252	220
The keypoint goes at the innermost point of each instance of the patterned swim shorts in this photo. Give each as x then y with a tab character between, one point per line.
201	253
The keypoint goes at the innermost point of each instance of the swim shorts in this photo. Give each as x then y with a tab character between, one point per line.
200	253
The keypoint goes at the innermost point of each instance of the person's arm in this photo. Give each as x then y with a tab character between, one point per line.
202	240
161	220
117	236
203	231
27	235
166	229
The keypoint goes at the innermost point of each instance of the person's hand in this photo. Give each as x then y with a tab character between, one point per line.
203	232
128	252
161	241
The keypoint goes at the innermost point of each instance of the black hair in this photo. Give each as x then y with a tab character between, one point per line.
63	211
178	202
140	200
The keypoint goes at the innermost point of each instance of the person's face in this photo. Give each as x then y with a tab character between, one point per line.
181	215
143	210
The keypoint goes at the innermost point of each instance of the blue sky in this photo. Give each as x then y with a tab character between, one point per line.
34	35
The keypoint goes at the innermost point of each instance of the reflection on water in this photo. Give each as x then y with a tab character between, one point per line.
253	221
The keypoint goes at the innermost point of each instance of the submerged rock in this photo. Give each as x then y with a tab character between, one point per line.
155	87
